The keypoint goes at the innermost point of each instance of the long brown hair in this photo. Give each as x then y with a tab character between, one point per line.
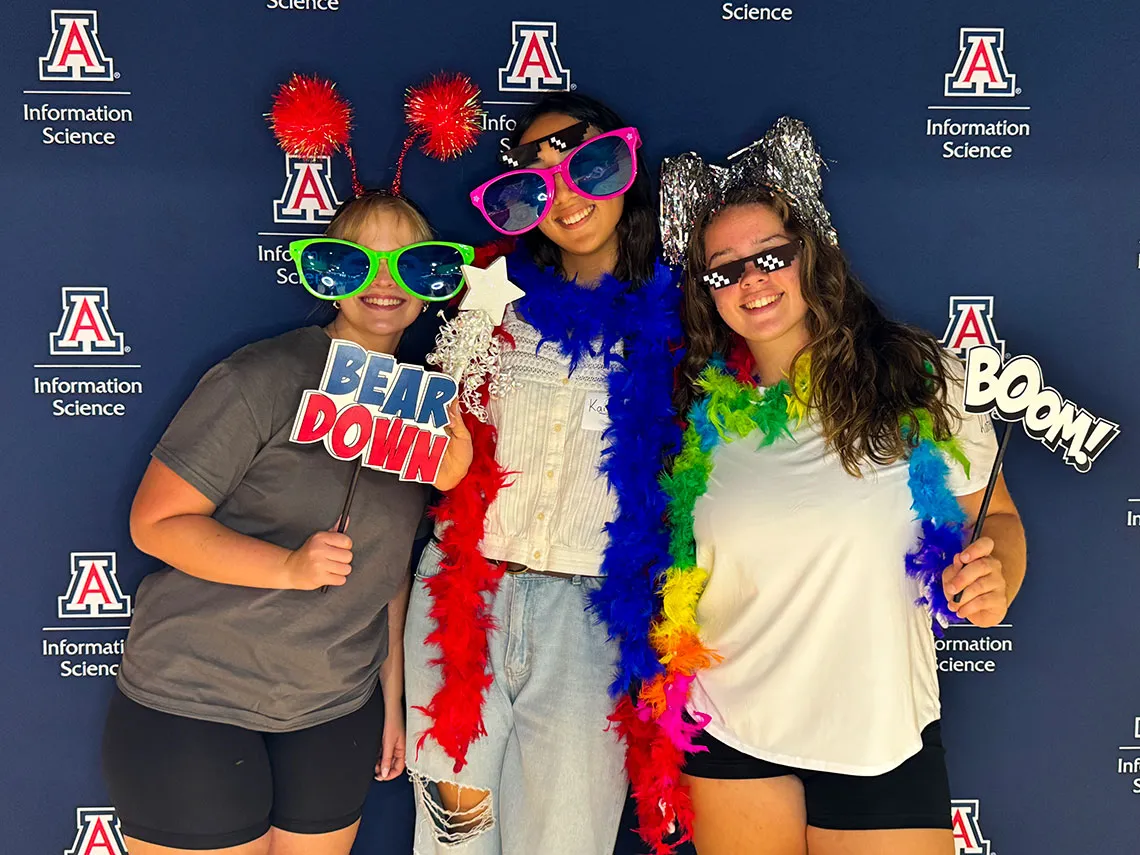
867	372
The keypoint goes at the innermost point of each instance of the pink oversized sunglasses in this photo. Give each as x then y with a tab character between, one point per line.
602	167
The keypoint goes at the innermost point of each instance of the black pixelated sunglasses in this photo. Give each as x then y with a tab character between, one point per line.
563	141
770	260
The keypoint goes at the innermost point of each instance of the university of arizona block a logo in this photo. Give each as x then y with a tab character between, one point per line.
97	833
981	69
85	328
968	839
75	53
534	65
94	591
971	324
309	196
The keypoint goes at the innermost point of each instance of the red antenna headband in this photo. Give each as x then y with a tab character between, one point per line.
310	119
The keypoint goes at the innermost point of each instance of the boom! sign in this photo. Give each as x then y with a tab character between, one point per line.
370	406
1016	391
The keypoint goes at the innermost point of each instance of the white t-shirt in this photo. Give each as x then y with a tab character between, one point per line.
828	663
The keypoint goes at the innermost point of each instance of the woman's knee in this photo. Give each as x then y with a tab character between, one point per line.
912	841
260	846
337	842
456	813
762	816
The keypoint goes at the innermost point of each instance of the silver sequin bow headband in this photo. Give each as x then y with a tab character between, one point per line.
784	160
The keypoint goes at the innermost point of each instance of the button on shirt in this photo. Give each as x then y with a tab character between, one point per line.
552	516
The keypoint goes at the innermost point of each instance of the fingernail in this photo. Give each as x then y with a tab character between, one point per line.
383	771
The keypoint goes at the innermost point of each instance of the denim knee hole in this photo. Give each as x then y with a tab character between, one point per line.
453	828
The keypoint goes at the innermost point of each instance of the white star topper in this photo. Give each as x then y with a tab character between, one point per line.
489	290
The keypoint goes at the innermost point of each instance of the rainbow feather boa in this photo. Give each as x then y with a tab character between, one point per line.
733	408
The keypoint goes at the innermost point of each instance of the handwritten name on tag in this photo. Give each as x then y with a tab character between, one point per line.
596	415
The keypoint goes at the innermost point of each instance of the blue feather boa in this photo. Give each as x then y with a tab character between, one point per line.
943	524
643	430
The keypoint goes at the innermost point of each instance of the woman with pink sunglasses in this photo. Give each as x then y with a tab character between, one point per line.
530	612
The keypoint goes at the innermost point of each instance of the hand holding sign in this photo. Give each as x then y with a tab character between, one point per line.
324	559
976	585
1015	390
384	415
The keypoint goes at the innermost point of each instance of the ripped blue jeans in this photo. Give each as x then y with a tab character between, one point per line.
552	766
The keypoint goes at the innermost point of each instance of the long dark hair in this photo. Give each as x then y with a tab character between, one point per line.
867	372
637	228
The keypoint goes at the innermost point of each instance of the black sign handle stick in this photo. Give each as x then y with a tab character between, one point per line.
1003	444
342	523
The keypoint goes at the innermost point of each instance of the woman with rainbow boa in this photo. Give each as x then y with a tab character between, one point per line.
821	505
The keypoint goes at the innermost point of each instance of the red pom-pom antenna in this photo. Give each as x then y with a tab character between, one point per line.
311	120
445	112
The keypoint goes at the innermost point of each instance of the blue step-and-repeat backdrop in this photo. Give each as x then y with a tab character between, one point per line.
984	180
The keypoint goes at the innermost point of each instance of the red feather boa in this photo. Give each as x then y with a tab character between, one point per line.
740	362
460	593
465	583
654	765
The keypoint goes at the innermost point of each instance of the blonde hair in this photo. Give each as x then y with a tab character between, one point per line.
349	221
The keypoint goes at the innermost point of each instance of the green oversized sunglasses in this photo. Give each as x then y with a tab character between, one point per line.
334	269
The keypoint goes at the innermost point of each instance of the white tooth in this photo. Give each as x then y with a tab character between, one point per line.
581	215
761	302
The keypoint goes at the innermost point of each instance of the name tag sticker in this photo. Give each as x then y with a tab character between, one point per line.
596	414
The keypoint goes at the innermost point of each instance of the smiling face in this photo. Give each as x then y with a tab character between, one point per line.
766	309
378	316
579	227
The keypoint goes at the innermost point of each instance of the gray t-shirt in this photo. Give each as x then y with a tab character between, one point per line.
271	660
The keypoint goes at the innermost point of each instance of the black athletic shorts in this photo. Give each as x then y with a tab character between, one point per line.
915	794
191	784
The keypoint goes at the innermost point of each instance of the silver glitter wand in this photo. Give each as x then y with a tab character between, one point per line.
466	348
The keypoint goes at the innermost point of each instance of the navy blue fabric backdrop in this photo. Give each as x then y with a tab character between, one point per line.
978	150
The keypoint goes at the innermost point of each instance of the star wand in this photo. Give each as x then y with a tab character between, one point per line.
466	348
